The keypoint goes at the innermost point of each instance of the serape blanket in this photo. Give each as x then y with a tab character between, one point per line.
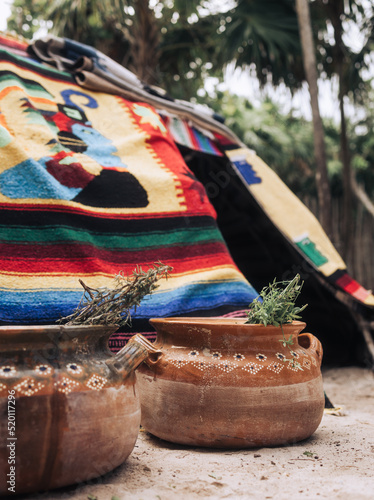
199	129
92	184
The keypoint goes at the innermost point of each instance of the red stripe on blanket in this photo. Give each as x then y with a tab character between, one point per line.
208	257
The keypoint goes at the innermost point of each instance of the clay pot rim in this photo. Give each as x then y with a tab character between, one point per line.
211	321
49	328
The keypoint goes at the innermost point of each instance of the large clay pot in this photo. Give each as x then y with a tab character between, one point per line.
222	383
69	409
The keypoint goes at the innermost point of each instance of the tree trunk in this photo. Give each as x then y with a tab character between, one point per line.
145	43
310	67
347	223
336	11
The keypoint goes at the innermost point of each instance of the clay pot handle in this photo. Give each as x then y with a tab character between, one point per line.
137	350
309	341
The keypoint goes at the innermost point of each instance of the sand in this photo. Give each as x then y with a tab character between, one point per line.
337	462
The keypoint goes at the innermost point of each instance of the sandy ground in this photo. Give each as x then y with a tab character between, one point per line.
337	462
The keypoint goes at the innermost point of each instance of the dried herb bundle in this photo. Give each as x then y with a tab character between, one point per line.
276	306
106	306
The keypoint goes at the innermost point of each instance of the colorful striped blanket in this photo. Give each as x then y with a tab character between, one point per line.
92	184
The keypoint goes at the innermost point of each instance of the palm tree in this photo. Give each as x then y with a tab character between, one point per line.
263	35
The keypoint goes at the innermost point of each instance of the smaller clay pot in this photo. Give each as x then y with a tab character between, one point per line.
223	383
69	409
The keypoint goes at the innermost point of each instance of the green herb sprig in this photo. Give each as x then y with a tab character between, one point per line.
276	306
111	306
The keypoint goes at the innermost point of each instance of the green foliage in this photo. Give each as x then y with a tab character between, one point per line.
362	146
308	454
27	17
361	133
276	306
276	303
265	35
186	51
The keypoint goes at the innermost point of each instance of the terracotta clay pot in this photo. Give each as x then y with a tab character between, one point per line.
69	409
222	383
